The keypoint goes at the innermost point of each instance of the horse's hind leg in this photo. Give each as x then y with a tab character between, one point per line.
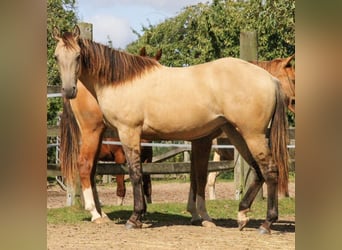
199	171
268	172
248	198
246	202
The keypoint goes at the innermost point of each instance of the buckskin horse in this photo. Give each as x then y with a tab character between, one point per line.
282	69
82	121
143	99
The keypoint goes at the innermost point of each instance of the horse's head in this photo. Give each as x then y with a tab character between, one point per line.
67	54
287	78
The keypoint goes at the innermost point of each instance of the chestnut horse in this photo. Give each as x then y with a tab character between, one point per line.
143	99
282	69
83	119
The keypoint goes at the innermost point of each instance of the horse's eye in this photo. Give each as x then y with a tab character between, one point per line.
56	58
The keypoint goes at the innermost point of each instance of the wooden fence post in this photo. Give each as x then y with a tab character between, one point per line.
74	193
86	30
243	172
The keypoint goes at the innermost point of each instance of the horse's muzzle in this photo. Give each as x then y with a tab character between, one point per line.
69	93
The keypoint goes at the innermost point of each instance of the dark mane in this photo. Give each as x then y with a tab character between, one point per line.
110	65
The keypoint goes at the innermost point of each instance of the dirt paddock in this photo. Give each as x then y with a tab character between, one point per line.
86	235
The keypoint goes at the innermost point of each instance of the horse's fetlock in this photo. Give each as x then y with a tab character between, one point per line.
243	206
272	215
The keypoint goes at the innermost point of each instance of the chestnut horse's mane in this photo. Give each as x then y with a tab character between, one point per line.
107	64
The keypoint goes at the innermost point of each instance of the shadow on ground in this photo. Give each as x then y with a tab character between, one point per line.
157	219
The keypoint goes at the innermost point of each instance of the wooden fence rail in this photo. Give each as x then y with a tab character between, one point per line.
112	168
157	166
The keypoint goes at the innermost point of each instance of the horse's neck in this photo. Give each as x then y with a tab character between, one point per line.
88	83
265	65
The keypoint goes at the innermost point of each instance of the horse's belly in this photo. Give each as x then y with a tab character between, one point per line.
178	130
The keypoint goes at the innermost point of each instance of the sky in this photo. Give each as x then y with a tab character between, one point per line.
114	19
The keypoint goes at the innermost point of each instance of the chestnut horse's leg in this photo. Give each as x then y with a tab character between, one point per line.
199	171
120	188
90	142
120	158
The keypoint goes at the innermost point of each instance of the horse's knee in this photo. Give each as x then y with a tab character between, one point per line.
271	174
84	168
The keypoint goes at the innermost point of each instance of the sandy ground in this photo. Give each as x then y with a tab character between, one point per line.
86	235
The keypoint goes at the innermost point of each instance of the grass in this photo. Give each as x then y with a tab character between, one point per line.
170	213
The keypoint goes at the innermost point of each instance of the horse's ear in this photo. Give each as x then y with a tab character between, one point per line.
288	60
56	34
142	51
76	32
159	54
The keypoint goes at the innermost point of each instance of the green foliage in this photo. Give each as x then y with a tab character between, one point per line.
60	14
204	32
226	175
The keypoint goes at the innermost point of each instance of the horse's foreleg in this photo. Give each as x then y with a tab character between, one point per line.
191	207
86	162
199	169
131	146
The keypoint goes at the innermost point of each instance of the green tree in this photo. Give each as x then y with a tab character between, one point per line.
61	14
204	32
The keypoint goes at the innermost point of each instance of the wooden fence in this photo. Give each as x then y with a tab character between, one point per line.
158	166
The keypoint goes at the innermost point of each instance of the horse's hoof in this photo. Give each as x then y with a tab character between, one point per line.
207	223
242	224
149	200
196	222
263	230
242	218
133	225
120	201
101	220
